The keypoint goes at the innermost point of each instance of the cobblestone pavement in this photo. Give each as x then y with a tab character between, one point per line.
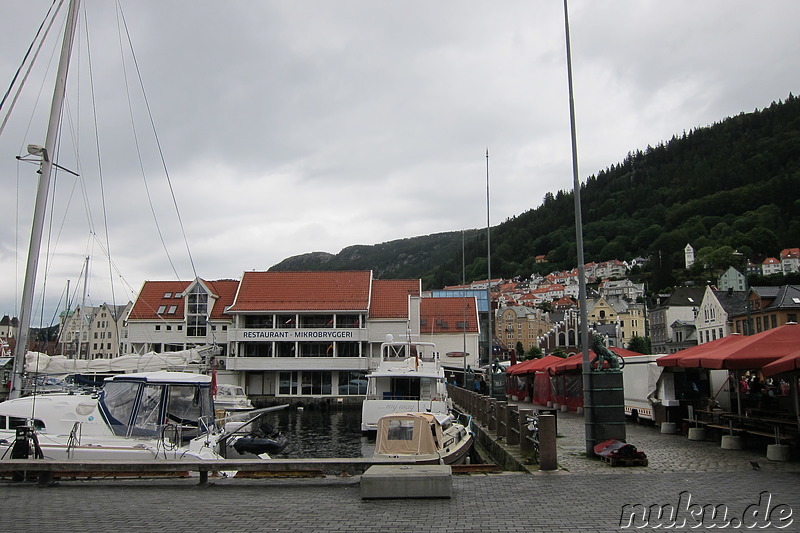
665	453
681	473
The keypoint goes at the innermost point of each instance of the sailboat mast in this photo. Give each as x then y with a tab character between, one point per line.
41	200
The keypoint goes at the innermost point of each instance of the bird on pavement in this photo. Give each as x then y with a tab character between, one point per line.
755	465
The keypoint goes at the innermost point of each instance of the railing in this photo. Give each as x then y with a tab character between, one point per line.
533	431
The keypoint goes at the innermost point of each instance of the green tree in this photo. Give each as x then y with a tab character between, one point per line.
640	345
534	352
520	349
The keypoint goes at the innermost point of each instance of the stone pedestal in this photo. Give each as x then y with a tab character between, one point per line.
407	481
669	428
697	433
731	442
778	452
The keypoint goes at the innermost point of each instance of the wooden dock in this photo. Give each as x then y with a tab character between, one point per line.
46	470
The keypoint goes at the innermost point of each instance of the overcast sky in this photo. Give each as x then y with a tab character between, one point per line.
311	125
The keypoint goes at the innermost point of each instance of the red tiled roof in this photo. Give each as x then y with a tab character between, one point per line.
390	297
306	291
443	315
152	297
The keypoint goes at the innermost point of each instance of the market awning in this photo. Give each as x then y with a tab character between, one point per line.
575	362
787	363
673	358
745	353
521	368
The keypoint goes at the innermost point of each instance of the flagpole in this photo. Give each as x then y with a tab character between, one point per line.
588	405
489	280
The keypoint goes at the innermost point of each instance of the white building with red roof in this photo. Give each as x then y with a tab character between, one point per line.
169	316
771	266
790	260
299	334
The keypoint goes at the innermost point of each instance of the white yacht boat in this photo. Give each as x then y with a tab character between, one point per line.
409	378
150	415
425	437
231	398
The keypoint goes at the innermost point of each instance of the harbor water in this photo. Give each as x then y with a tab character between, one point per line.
322	432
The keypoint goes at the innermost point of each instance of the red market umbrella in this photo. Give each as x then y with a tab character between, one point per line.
787	363
575	362
521	368
570	363
544	363
754	351
674	359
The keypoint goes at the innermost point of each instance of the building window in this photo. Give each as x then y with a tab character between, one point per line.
258	321
158	328
316	349
161	309
287	321
197	312
316	382
352	383
352	321
255	349
287	383
316	321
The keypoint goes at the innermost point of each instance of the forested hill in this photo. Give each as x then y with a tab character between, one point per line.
734	185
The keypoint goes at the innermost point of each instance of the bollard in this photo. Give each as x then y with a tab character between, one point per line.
500	418
512	421
525	443
548	457
492	409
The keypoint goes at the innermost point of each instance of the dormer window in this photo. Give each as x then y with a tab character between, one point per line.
196	311
172	309
161	309
167	295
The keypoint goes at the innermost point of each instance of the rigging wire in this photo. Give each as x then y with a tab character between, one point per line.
121	16
139	152
52	18
100	167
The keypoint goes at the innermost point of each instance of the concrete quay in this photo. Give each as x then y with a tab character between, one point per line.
583	495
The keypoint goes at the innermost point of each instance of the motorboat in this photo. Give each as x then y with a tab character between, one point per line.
140	416
425	437
408	378
231	398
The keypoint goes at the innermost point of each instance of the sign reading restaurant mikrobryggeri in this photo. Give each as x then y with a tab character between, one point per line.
302	335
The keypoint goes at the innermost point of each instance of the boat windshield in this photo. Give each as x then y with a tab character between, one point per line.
135	408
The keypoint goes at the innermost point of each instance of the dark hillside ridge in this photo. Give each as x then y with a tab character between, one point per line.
735	183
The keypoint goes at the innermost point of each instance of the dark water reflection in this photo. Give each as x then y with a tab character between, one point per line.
318	432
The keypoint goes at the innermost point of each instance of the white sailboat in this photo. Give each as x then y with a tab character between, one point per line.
146	415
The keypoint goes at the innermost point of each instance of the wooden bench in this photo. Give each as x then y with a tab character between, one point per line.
729	429
696	422
779	438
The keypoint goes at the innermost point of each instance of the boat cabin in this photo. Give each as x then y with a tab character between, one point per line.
140	405
408	434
